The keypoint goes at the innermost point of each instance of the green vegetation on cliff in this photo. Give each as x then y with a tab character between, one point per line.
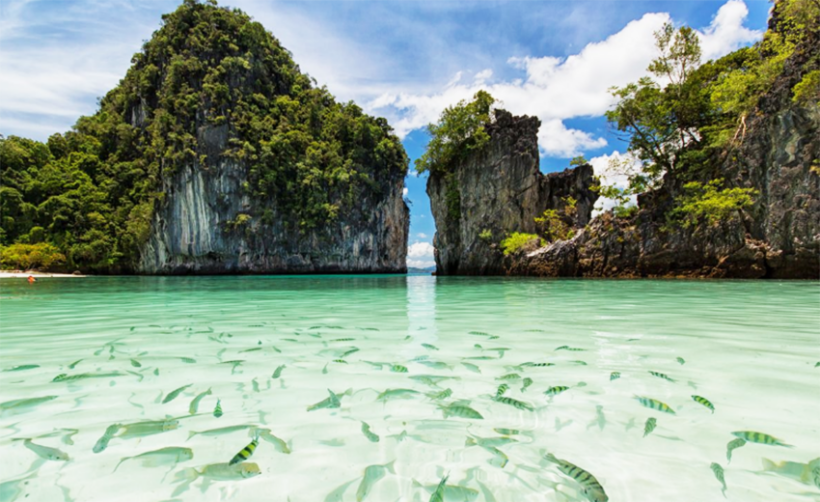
680	131
460	130
211	89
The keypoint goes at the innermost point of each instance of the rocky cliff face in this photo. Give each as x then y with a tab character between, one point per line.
497	191
778	237
195	230
250	167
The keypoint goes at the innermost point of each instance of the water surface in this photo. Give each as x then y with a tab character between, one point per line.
750	348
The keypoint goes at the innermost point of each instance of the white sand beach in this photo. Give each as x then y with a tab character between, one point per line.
14	274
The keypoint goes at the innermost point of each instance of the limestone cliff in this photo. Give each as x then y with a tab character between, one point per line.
268	173
496	191
194	231
777	237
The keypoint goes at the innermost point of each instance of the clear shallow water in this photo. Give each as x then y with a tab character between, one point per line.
749	347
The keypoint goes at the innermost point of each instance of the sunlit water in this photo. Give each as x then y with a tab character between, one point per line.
751	348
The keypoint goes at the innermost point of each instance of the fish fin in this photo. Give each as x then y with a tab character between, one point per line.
768	465
391	467
118	464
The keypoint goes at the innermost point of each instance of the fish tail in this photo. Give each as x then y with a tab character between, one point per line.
391	467
188	475
768	465
190	435
551	458
469	442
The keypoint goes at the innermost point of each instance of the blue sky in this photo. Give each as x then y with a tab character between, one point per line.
402	60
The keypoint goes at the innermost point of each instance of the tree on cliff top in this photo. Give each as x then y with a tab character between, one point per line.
459	131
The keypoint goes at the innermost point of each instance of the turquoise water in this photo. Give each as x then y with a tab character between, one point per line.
750	348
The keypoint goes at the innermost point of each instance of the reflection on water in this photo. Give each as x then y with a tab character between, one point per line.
375	388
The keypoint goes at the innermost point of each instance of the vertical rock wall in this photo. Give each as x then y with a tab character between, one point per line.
497	191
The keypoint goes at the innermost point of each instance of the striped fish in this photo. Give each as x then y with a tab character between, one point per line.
661	375
759	437
718	470
614	375
704	402
513	402
733	445
650	425
507	432
438	495
591	487
218	409
537	365
510	376
398	368
440	395
501	390
655	404
429	346
246	452
554	391
461	411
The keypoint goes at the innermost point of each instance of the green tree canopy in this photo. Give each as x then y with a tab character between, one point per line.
459	131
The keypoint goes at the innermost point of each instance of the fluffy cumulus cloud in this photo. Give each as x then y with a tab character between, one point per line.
420	255
55	64
556	89
614	170
59	56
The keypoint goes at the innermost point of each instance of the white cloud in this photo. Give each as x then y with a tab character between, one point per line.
557	89
482	76
420	250
421	263
614	170
404	192
58	57
421	235
420	255
726	33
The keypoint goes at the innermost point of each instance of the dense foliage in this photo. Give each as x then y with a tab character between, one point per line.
518	241
557	225
708	203
210	89
680	128
460	130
